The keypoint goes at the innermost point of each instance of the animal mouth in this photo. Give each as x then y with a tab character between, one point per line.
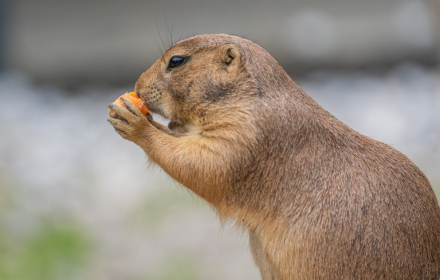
173	124
154	109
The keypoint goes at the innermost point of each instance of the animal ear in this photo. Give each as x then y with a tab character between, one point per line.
230	55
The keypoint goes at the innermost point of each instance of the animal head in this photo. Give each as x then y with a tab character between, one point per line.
201	79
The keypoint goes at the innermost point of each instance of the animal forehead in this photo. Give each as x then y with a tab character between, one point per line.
203	41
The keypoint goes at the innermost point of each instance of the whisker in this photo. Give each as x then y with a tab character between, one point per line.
172	28
160	49
168	28
160	36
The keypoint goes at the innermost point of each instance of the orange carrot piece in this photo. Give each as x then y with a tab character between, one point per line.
134	99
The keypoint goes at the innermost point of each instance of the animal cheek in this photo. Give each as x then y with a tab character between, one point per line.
179	93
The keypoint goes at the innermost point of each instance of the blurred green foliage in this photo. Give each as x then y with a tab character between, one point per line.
182	268
156	209
37	247
60	249
56	250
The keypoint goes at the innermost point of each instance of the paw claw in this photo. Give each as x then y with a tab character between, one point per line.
129	122
120	132
130	107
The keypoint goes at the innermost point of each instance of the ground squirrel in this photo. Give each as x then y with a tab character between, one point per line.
318	199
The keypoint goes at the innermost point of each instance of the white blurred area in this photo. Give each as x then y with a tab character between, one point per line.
372	64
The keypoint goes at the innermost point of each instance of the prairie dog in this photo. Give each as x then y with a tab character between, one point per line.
318	199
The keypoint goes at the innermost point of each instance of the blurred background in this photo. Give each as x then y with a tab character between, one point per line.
78	202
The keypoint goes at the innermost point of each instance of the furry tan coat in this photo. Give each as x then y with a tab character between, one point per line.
318	199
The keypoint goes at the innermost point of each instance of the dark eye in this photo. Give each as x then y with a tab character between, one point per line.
176	61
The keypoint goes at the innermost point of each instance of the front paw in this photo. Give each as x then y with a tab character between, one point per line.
129	121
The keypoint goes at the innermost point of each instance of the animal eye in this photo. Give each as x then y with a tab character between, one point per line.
176	61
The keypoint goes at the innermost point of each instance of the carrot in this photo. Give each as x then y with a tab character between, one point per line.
134	99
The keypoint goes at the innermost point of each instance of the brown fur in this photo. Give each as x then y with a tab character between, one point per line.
318	199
